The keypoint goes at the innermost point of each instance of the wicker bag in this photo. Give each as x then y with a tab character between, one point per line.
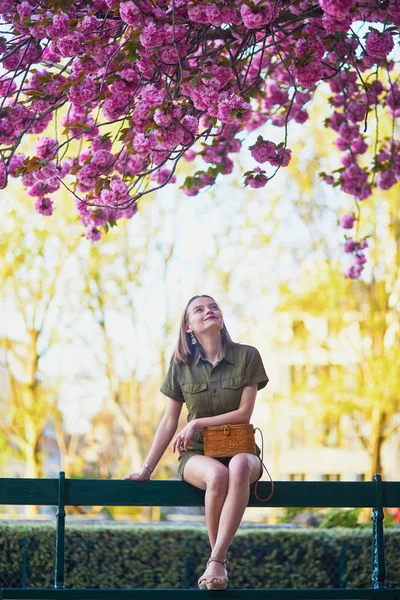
227	440
224	441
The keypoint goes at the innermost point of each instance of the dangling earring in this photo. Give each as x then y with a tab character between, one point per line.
193	338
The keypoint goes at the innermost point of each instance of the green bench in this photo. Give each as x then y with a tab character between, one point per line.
62	492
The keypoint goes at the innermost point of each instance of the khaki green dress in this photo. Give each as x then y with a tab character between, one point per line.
213	390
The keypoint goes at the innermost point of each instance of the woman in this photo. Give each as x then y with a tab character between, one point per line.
218	379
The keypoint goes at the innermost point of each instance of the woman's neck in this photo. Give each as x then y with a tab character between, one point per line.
212	348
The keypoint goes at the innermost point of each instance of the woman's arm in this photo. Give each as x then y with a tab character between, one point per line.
241	415
164	434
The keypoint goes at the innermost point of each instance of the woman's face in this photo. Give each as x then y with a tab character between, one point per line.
204	316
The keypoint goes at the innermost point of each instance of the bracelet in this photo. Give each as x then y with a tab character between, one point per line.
148	467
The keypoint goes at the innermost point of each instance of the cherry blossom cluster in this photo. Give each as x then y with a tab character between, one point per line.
120	91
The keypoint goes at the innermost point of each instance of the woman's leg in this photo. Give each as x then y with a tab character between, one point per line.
244	469
210	475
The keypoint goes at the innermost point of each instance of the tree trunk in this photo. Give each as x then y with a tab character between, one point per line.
33	461
378	438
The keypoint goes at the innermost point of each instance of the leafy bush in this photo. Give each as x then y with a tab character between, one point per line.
138	556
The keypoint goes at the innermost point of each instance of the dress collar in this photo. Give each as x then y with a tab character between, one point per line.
227	354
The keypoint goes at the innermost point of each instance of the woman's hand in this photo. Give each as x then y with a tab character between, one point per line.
181	442
144	475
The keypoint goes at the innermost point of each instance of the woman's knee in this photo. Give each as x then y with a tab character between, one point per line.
217	479
240	468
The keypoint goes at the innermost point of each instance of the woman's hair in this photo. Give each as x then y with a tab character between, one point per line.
184	349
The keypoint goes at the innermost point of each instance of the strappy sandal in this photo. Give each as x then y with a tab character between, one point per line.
202	582
221	583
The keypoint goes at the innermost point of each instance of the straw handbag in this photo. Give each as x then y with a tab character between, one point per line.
223	441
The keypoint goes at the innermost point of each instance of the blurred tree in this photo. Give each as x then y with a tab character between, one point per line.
117	276
32	260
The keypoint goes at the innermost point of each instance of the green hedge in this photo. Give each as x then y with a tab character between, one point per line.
164	557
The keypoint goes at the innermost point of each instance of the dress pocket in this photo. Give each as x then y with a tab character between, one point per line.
231	393
196	398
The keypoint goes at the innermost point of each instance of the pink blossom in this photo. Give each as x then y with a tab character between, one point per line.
59	26
46	147
100	216
83	92
71	44
263	12
143	145
355	182
115	106
393	99
92	233
65	167
102	160
24	10
356	111
214	15
232	109
162	118
161	176
360	258
359	146
44	206
263	151
89	24
151	36
386	179
353	272
16	163
308	73
101	143
337	8
47	173
129	74
41	188
347	221
309	47
191	124
88	176
131	14
335	121
349	132
3	175
198	14
256	178
349	246
7	88
342	144
333	25
190	155
379	44
394	10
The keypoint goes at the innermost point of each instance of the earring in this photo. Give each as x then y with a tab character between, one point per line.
193	338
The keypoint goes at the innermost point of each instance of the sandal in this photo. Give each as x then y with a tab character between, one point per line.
221	583
202	582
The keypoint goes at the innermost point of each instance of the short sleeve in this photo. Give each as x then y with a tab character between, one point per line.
171	386
255	372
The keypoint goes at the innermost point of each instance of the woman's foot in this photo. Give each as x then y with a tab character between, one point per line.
217	576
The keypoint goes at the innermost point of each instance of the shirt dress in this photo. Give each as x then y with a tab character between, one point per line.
213	390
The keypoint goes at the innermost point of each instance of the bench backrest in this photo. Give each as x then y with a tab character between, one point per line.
99	492
94	492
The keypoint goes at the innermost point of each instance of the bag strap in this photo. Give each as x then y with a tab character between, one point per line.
262	463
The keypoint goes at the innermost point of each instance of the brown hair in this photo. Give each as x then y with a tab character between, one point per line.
184	349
